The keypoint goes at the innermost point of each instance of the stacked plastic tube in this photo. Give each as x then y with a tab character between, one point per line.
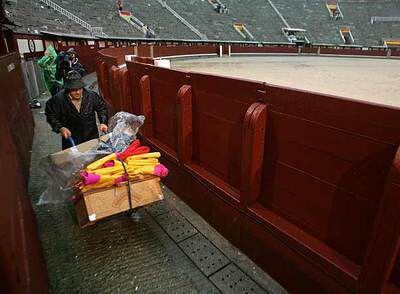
133	163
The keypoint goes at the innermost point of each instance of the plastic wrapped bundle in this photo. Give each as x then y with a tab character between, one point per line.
123	128
63	167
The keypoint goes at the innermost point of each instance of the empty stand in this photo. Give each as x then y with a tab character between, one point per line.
260	19
334	9
358	16
243	31
101	13
347	36
313	17
205	19
33	17
370	22
94	31
155	16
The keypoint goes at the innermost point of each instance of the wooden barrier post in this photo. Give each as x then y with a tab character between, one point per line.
185	125
126	91
113	82
385	241
145	93
253	141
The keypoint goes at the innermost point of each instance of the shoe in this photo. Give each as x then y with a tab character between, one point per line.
35	104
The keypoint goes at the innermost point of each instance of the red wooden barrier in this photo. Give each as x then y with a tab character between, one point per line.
351	51
395	277
116	56
87	56
306	187
22	267
125	90
113	82
184	50
264	49
395	52
309	50
217	144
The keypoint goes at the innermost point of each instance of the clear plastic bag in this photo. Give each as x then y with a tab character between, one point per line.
123	128
63	167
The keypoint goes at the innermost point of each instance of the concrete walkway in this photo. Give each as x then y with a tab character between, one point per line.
168	248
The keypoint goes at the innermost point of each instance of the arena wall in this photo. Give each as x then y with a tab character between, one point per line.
298	181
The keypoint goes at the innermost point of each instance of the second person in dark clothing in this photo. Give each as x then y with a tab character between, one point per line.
72	112
67	61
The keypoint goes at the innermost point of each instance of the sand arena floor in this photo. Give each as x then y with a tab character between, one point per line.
375	80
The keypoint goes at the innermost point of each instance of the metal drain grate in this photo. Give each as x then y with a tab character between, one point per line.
204	254
232	280
176	226
158	208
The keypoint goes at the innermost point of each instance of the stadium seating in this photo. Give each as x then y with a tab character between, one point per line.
357	16
31	16
259	18
101	13
165	25
314	17
257	15
202	15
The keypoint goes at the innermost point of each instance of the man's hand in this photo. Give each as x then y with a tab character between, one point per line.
65	133
103	128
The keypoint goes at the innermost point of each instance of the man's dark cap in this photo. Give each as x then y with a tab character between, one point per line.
73	80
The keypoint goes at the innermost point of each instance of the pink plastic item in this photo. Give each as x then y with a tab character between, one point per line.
121	179
110	163
89	179
160	170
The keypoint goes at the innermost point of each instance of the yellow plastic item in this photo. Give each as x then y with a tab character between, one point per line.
108	170
145	155
99	163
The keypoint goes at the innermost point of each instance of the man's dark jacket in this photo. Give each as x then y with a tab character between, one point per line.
60	112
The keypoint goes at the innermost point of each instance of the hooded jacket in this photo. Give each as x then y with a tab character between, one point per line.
60	112
48	65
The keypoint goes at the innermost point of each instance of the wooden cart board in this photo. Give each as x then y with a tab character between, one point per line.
65	156
98	204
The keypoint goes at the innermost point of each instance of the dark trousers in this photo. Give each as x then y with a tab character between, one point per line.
55	89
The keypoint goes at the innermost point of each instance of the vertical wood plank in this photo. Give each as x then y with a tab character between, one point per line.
185	124
385	242
253	140
144	85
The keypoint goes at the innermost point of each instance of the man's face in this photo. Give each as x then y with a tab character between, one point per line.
76	93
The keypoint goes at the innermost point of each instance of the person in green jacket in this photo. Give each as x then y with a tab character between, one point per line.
48	65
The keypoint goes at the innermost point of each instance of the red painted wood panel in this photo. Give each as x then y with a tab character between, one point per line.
264	49
350	51
126	90
312	50
371	120
172	50
116	56
395	52
22	267
325	166
218	114
318	174
165	85
395	277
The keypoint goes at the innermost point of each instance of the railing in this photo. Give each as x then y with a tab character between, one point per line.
184	21
278	13
384	19
96	31
248	32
